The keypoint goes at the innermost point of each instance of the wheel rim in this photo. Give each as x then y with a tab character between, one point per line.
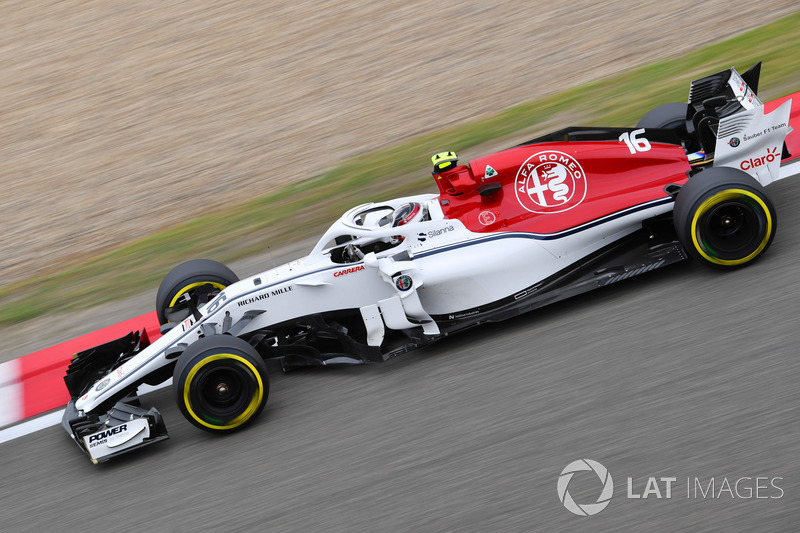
223	391
193	294
732	227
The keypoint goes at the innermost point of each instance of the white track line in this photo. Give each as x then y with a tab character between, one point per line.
31	426
11	394
790	169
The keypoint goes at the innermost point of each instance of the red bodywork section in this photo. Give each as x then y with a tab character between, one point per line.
550	187
793	139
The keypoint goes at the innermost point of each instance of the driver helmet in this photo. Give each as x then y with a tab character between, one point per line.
407	213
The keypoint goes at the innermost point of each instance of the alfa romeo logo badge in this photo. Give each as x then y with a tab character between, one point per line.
403	282
550	182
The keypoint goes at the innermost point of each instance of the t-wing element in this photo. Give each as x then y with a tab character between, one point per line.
444	161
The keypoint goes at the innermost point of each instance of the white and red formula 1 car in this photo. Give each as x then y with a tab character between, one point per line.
507	233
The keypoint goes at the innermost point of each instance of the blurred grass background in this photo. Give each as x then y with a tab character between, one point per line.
246	229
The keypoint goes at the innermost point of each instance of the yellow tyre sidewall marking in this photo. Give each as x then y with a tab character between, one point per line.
712	201
242	418
187	288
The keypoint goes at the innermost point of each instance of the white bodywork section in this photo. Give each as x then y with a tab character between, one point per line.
753	142
450	267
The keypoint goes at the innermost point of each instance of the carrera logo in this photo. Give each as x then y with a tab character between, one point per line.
97	437
550	182
348	271
755	162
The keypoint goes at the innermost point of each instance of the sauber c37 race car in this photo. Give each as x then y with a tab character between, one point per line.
507	233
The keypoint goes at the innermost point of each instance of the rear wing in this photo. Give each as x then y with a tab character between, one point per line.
739	91
731	123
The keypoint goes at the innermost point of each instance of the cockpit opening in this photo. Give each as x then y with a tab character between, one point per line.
348	248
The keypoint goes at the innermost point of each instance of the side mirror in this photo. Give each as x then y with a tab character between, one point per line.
371	260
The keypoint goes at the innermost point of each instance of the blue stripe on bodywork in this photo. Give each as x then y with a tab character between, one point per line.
550	236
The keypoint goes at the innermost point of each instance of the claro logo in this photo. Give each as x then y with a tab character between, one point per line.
755	162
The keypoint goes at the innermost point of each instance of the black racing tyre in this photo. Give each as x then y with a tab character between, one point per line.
671	116
220	383
724	218
191	283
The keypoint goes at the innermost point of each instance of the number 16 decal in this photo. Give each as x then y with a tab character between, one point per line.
634	142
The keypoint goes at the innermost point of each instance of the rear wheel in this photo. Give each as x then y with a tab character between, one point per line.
670	116
220	383
724	218
190	285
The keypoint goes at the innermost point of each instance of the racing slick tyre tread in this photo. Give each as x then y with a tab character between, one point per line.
220	383
724	218
671	116
187	277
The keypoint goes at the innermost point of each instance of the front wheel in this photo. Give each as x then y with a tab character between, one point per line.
190	285
220	383
724	218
